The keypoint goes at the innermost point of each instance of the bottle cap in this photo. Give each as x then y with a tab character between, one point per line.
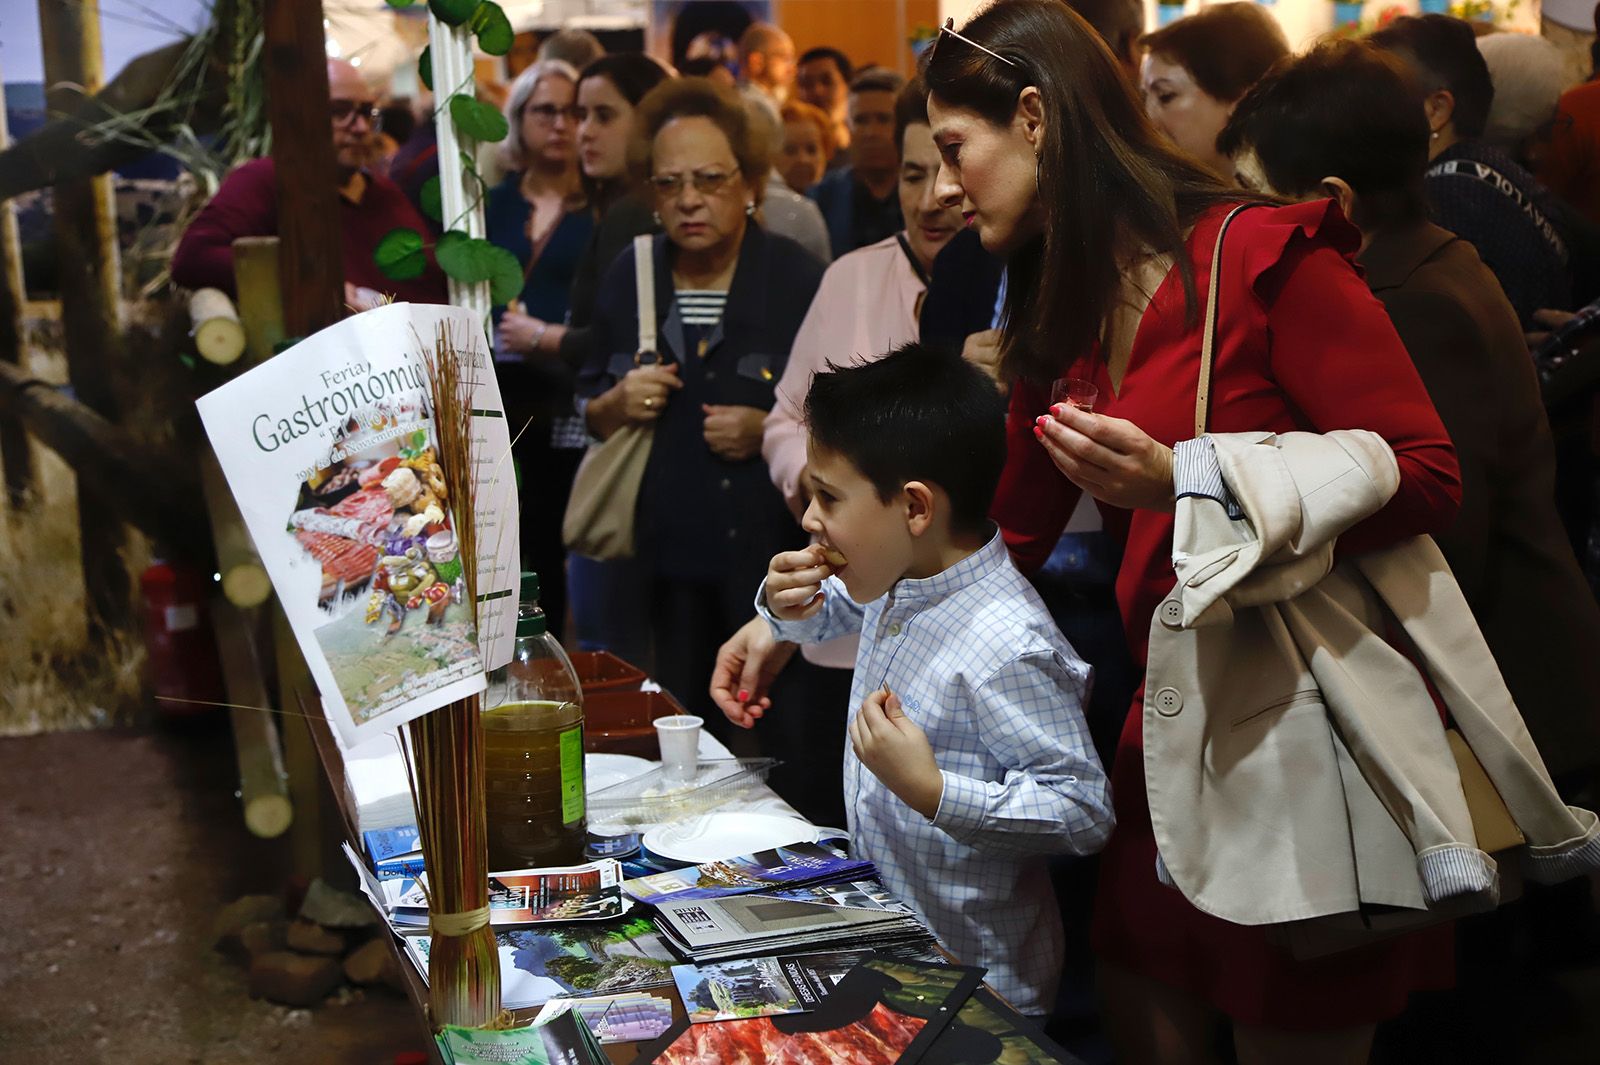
532	624
530	586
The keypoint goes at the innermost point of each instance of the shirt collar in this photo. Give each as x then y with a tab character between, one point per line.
969	571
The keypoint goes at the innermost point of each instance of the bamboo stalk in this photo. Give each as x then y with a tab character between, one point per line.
218	336
263	784
244	579
255	278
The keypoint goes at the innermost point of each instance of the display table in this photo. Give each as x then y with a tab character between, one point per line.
757	798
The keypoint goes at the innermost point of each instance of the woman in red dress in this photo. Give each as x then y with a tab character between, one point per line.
1108	235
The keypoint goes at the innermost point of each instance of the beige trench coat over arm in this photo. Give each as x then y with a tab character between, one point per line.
1296	766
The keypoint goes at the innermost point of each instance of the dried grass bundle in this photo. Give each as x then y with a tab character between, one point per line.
447	745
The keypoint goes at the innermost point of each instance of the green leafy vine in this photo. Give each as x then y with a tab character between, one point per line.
402	254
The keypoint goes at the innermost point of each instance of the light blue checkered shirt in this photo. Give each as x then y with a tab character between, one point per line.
980	666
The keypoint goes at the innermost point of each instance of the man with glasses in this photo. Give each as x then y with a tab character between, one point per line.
861	202
369	206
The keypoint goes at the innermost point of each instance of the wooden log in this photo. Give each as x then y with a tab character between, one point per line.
134	483
244	579
88	278
263	784
16	453
255	277
218	334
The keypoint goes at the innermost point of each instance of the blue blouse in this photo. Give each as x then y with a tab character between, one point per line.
546	294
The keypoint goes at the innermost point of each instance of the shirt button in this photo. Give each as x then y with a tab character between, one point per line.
894	629
1168	702
1172	613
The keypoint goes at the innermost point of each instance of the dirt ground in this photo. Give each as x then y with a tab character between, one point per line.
117	848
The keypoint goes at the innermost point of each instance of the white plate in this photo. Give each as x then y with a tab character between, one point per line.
715	836
604	770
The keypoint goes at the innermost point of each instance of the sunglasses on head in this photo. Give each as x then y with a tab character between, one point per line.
949	30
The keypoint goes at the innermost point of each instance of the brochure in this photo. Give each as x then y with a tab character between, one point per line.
560	961
591	892
800	863
761	987
631	1017
330	450
884	1012
821	917
561	1040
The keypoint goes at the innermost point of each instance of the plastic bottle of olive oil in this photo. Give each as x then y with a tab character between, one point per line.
533	749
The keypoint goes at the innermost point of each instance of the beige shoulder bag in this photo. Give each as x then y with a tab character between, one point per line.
599	522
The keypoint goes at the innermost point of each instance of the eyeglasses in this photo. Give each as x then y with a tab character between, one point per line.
949	29
548	113
343	111
706	182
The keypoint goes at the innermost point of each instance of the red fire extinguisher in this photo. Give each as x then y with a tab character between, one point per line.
180	651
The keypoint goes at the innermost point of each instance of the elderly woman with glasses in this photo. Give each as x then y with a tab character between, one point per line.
729	298
538	214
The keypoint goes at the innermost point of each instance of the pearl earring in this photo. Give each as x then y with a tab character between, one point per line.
657	216
750	209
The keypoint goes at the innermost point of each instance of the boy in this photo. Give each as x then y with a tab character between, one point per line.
969	760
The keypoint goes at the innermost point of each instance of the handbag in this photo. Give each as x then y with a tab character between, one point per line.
601	511
1492	822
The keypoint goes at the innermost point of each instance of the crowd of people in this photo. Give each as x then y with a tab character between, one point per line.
867	290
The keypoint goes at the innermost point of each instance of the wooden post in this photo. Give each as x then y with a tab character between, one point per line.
86	256
310	252
310	256
16	453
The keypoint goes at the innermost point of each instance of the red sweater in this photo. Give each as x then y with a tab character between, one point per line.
247	206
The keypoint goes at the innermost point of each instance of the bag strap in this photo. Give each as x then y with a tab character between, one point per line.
644	273
1208	342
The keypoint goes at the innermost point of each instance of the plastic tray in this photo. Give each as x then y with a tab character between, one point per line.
650	799
602	671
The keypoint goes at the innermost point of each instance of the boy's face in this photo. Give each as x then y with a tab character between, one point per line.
847	515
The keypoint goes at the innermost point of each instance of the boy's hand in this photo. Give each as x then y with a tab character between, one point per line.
794	583
891	745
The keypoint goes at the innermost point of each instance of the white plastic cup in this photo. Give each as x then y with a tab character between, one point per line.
679	736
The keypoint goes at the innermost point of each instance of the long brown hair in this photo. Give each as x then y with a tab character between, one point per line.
1105	175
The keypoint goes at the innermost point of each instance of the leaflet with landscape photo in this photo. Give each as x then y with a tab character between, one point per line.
589	892
544	962
749	921
798	863
330	450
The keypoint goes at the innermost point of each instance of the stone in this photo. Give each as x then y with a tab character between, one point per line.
372	963
309	937
232	918
291	979
263	937
333	908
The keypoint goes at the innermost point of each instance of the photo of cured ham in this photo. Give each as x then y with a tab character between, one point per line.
344	561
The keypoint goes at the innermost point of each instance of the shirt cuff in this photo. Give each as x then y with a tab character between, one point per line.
963	806
1196	472
807	631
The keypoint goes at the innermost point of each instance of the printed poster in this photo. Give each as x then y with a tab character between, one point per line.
331	452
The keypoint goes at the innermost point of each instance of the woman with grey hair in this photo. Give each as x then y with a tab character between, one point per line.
537	213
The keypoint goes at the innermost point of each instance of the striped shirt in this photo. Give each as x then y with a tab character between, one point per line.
999	693
701	307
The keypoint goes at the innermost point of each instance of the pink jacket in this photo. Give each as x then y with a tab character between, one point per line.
865	307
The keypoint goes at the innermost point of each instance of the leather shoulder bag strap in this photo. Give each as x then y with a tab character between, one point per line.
644	272
1208	342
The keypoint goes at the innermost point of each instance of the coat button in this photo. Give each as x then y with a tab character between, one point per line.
1168	702
894	629
733	534
711	375
1172	613
726	484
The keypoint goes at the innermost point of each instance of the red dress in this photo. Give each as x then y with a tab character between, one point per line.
1302	345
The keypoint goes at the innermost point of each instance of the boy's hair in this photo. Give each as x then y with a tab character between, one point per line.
917	414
